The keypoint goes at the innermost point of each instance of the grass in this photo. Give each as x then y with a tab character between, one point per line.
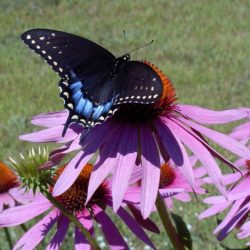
203	46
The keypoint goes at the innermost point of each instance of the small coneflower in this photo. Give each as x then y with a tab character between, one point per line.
141	134
8	187
74	200
174	184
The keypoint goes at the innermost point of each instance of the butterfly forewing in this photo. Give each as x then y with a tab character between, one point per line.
138	83
67	52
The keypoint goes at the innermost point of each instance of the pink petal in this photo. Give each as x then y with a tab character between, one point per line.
136	174
242	131
151	171
36	234
221	139
201	152
241	190
53	134
112	235
183	197
22	196
168	192
147	224
235	207
71	172
233	222
169	142
134	227
50	119
80	241
20	214
244	231
132	194
207	116
213	210
7	199
62	228
126	156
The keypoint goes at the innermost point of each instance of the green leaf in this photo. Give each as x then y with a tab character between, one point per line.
182	230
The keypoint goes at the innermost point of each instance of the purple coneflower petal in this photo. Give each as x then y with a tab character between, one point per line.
242	190
206	116
71	172
7	199
151	171
214	209
235	207
50	119
145	223
134	226
169	142
112	235
103	167
80	241
168	192
20	214
23	196
202	153
36	234
233	222
183	197
62	228
132	194
126	156
221	139
244	231
53	134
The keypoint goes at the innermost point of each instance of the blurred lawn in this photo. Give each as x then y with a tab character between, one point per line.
203	46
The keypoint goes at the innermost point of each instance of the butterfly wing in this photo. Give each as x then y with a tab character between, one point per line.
67	53
138	83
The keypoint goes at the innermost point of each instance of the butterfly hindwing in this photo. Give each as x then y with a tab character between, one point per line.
138	83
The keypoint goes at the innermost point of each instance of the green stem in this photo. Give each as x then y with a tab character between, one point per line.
23	226
167	223
7	234
73	219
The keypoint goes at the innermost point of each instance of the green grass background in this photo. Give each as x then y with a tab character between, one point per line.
202	45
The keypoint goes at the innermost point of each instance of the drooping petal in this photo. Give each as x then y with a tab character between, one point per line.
50	119
241	132
112	235
235	207
233	222
134	227
132	194
241	190
145	223
71	172
168	192
151	171
53	134
214	209
223	140
62	228
126	156
244	231
169	142
36	234
80	241
20	214
207	116
23	196
201	152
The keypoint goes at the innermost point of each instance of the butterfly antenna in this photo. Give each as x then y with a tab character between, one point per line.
124	41
145	45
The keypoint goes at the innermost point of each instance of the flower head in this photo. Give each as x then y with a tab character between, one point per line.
74	200
140	134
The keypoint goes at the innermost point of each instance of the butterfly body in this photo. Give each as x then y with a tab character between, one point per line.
94	83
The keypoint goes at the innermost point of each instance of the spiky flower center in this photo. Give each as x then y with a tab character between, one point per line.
147	112
167	175
8	179
74	198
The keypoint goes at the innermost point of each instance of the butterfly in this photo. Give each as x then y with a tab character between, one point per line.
94	83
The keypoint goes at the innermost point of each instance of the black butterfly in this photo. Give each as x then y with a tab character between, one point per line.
94	82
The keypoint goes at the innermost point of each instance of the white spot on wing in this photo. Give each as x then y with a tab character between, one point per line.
49	57
43	51
38	47
155	95
138	97
53	34
152	88
60	69
41	38
55	63
28	37
33	41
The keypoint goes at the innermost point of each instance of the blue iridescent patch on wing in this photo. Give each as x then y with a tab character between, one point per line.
76	86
